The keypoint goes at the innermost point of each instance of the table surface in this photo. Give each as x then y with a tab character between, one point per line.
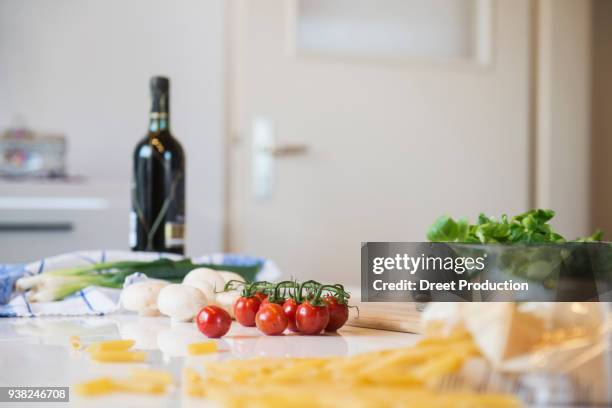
36	352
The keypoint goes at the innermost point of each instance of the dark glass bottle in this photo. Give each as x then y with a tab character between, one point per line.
157	220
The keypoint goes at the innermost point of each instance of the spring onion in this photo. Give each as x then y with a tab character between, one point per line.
58	284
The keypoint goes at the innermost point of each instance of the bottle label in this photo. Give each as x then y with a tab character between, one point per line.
174	234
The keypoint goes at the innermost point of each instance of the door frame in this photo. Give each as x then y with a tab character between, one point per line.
561	112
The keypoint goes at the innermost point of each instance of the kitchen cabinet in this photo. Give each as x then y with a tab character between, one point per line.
44	218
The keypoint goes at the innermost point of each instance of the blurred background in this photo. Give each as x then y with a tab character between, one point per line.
309	125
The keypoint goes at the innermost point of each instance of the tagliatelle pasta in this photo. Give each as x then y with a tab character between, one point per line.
387	378
323	396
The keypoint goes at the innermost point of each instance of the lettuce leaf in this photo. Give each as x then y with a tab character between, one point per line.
529	227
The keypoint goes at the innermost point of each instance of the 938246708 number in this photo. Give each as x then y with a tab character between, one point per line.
40	394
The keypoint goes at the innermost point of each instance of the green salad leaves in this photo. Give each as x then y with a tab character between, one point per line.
530	227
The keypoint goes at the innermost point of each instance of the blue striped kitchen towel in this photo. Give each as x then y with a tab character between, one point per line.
96	300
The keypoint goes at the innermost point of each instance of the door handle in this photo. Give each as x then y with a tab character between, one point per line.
286	150
265	152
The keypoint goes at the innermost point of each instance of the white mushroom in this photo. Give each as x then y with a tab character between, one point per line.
205	288
141	297
226	300
212	277
229	276
181	302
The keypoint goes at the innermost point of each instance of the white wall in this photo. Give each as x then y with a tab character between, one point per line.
81	67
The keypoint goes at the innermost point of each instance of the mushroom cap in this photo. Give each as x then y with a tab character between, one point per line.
205	288
212	277
228	276
226	301
141	297
181	302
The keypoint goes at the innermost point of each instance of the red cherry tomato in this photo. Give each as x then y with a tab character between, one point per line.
267	301
213	321
261	296
290	307
338	313
311	319
245	310
271	319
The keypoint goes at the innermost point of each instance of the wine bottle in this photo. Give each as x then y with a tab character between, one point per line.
157	219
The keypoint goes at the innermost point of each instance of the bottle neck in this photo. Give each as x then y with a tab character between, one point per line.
159	122
159	117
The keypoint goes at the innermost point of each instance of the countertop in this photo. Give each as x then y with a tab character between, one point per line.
36	352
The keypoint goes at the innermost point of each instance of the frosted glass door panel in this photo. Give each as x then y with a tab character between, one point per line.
417	29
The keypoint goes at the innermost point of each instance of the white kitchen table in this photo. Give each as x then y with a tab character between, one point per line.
37	352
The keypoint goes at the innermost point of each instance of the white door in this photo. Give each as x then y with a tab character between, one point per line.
395	136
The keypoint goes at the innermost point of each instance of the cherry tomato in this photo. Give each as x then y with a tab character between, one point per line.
267	301
311	319
289	307
261	296
213	321
245	310
338	313
271	319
